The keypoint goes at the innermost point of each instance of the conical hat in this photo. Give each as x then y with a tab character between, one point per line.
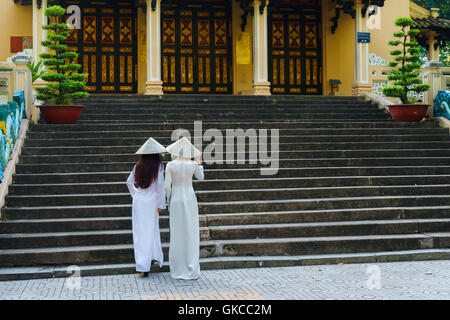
183	148
151	146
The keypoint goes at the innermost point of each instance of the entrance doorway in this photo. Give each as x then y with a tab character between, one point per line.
107	44
196	47
295	48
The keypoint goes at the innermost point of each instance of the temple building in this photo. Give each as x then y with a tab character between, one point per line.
300	47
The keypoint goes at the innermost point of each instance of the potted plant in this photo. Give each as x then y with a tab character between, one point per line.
64	83
405	73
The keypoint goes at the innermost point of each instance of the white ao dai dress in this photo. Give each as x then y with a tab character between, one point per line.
145	221
184	251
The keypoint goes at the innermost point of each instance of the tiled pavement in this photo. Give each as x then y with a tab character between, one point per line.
400	280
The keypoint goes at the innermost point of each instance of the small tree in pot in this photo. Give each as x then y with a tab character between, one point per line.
64	83
405	74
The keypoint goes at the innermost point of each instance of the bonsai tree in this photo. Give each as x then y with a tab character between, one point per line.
65	84
406	63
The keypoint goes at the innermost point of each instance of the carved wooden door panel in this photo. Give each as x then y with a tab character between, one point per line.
107	44
196	47
295	49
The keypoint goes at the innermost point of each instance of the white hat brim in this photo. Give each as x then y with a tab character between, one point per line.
151	146
183	148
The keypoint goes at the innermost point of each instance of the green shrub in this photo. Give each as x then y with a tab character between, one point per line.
406	64
65	84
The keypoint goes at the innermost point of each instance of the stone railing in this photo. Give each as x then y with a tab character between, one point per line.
434	74
11	115
13	128
16	76
383	102
441	109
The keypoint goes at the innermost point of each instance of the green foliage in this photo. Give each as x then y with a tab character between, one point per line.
443	5
36	70
64	82
444	12
444	55
407	58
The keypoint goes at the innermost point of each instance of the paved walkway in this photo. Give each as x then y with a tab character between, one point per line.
400	280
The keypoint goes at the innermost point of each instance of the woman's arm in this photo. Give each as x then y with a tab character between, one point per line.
168	182
198	172
130	183
160	191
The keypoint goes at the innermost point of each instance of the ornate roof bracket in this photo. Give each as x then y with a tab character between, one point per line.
247	8
141	5
346	6
166	3
29	2
262	6
273	5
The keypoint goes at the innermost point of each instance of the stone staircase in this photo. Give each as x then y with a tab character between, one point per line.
353	186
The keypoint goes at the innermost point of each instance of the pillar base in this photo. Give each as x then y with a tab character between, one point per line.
359	89
154	88
261	89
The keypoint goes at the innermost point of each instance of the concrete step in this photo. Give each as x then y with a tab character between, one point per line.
219	99
231	184
42	127
284	163
20	220
137	107
232	195
163	134
352	185
188	121
335	116
43	272
123	253
35	165
283	140
224	109
211	174
129	149
285	155
324	203
94	236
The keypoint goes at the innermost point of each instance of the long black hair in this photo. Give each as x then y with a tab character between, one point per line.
147	169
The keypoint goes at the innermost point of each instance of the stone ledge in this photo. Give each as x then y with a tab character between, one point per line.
11	167
443	122
382	102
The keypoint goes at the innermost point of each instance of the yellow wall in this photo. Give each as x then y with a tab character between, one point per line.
380	37
142	50
242	73
15	20
338	50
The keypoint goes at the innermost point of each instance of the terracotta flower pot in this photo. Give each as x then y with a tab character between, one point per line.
61	114
408	112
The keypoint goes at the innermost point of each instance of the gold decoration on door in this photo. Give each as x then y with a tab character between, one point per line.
196	51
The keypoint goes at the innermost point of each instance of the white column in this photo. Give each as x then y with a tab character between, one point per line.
261	85
433	53
44	20
362	83
36	26
153	86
